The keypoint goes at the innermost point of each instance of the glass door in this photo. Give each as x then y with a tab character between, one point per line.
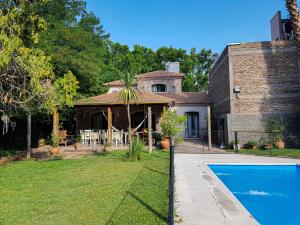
192	125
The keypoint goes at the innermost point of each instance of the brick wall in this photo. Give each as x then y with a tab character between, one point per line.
219	85
173	84
268	75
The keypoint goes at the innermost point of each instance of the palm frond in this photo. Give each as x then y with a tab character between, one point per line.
128	93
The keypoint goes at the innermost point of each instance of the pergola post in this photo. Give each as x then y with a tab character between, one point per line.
209	127
150	129
109	125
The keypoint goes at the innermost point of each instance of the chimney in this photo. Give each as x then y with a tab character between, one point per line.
172	67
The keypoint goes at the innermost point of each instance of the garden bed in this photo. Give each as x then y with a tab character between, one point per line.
288	153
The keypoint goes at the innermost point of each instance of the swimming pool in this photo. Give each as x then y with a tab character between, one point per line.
271	193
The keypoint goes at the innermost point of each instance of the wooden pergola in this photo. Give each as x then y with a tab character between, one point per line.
110	104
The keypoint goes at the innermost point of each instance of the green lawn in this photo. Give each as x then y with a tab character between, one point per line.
102	189
289	153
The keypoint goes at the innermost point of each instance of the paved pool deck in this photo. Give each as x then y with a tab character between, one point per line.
202	199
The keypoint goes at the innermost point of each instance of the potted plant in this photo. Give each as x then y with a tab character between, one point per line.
251	145
55	149
171	124
276	128
157	136
266	143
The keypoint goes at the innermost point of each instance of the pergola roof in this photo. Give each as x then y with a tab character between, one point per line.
113	99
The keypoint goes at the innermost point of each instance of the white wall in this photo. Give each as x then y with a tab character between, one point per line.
202	110
114	89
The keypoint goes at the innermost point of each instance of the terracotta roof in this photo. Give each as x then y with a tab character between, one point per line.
115	83
160	73
153	74
113	99
188	97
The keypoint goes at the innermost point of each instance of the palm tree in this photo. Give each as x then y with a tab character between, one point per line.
128	94
292	7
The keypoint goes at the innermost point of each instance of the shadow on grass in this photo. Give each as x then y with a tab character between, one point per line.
146	201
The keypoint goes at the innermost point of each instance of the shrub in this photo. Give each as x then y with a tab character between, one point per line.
251	144
171	123
137	148
276	128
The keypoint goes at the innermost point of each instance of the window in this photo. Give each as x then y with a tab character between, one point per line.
159	88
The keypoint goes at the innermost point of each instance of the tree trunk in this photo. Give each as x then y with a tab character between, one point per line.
28	135
55	130
129	130
292	7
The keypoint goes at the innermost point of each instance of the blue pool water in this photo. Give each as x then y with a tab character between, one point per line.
270	193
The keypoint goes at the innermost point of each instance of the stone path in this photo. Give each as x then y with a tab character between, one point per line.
202	199
196	147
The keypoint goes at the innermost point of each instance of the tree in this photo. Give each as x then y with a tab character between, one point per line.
62	94
197	67
292	7
27	83
128	94
76	42
25	72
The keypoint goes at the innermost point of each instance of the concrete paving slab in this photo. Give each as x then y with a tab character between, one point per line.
202	199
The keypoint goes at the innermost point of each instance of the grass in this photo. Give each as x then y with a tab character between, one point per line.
102	189
288	153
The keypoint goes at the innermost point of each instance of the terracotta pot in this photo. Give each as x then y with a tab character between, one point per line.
268	146
54	151
165	143
279	144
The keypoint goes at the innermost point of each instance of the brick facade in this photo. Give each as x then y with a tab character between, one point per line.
173	84
268	76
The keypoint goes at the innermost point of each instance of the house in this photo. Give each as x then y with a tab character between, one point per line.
157	90
251	82
281	29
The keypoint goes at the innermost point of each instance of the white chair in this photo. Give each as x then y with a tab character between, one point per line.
87	136
116	138
94	137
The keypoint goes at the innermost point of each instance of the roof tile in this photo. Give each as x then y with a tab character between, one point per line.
113	99
153	74
188	97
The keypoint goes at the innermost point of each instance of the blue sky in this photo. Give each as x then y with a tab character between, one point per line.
186	23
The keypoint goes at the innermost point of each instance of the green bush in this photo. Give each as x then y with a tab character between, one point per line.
251	144
276	128
171	123
137	148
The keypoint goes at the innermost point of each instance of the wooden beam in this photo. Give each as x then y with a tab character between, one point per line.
209	127
150	129
109	125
